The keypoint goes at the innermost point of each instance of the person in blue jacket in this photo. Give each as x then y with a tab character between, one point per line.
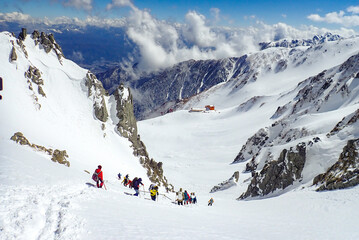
186	198
136	184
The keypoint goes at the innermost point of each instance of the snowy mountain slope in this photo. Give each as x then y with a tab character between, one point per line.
318	39
41	199
267	114
63	118
153	90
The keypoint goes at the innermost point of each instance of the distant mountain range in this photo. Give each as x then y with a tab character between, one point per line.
154	91
91	47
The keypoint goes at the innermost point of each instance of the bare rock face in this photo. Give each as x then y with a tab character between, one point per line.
33	75
98	93
23	34
344	123
60	157
13	55
344	173
226	184
56	155
48	43
278	174
127	127
253	145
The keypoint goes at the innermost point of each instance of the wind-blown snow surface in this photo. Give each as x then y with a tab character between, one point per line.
41	199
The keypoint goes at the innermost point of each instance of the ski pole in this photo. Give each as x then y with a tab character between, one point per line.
104	186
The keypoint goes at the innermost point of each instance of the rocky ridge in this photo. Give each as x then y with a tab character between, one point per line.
127	127
57	155
318	39
327	91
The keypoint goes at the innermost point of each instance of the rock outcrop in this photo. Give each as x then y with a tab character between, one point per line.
33	75
127	127
345	123
13	55
226	184
344	173
48	43
278	174
23	34
98	94
56	155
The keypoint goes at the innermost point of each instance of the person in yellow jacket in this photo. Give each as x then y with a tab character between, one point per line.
154	193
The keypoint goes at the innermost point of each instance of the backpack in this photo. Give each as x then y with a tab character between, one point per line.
95	176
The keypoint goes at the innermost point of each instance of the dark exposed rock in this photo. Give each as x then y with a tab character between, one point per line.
344	173
48	42
36	37
281	66
60	157
57	155
13	55
278	174
20	138
34	75
98	93
22	46
345	122
41	91
251	166
252	146
226	184
23	34
127	127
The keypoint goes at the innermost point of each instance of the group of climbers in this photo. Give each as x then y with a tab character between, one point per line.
183	198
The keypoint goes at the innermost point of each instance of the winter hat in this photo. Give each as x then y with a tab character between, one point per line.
99	166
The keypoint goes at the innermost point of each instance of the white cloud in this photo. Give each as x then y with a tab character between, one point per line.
16	17
353	9
161	43
196	31
338	17
77	56
78	4
119	4
215	12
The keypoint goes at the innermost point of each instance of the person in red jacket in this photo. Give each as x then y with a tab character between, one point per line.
100	176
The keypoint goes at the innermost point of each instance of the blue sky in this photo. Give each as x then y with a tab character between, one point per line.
224	13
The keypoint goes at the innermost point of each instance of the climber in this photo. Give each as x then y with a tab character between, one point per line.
125	180
154	192
180	197
186	197
194	198
98	176
210	202
135	184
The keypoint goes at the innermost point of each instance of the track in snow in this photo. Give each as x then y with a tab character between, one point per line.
33	212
